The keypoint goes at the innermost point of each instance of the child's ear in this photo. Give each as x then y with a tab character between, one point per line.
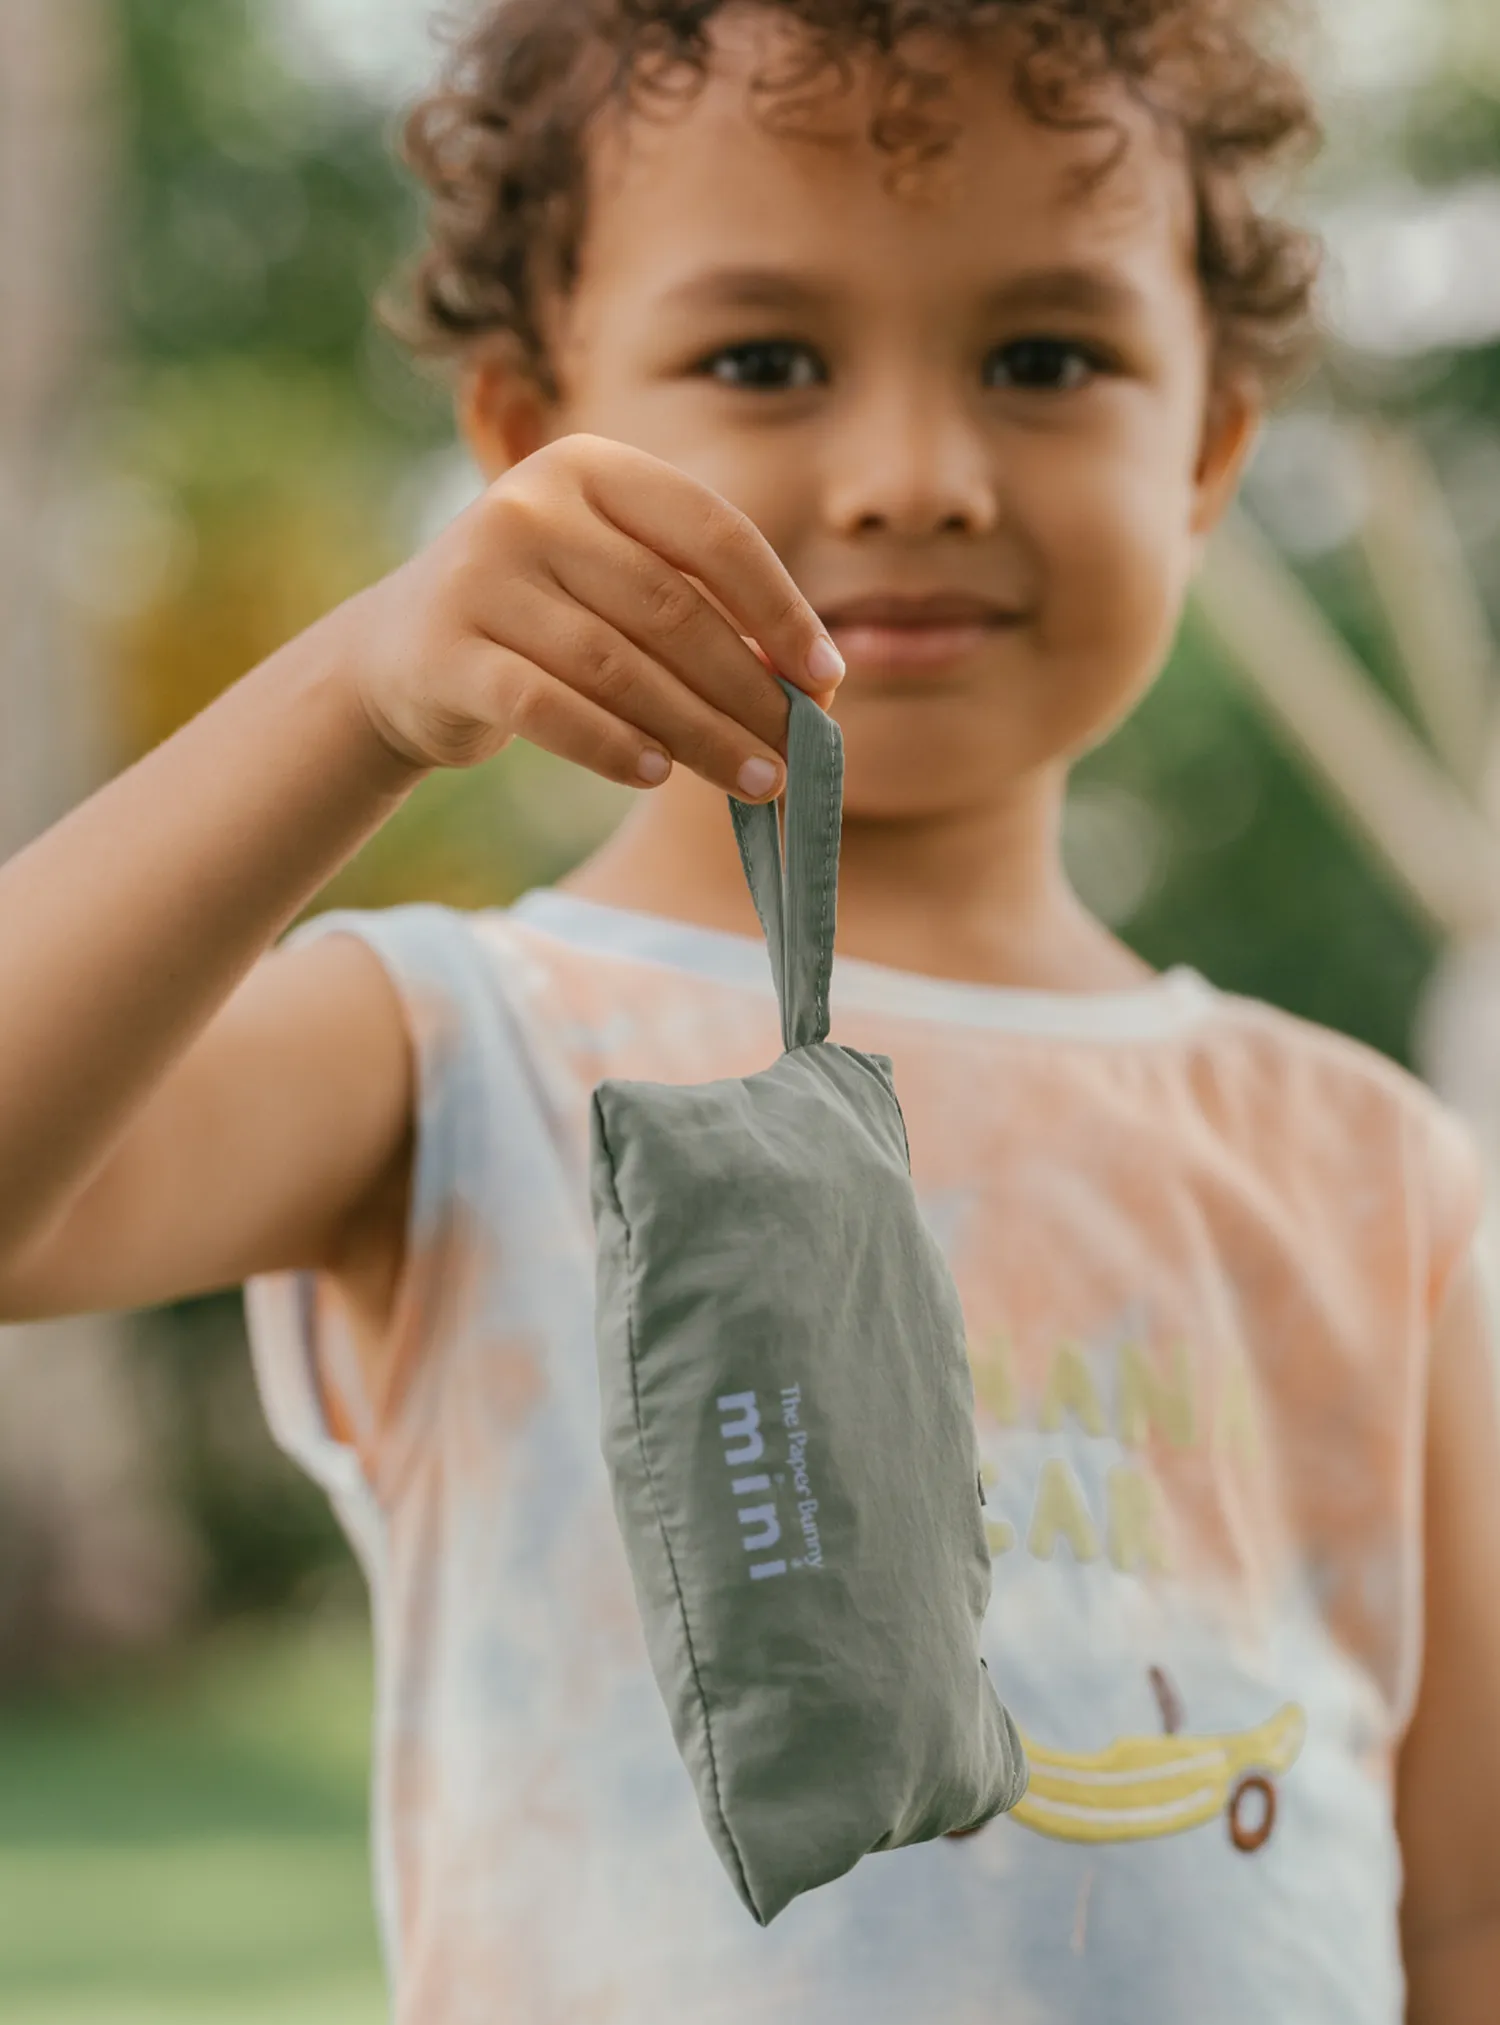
502	412
1231	429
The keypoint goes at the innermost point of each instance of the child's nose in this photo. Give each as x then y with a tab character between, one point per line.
911	469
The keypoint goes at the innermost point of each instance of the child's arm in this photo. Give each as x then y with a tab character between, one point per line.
1448	1796
156	1140
147	1147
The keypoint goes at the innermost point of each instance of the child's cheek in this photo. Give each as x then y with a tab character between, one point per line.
1119	573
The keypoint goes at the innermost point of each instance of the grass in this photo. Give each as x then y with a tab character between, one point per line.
193	1846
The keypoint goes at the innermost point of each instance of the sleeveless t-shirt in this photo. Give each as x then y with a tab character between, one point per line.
1200	1247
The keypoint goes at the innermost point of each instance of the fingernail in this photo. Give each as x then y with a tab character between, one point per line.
824	661
757	777
653	766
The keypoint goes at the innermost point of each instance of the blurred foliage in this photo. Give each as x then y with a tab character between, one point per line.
264	450
1451	133
248	513
1258	884
259	424
1451	130
267	1534
264	211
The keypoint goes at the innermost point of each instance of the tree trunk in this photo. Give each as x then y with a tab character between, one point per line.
91	1554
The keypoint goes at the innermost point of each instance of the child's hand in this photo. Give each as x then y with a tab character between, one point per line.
560	608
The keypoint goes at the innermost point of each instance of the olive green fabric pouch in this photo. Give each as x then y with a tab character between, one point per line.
788	1420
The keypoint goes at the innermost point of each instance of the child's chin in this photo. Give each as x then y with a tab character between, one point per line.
895	770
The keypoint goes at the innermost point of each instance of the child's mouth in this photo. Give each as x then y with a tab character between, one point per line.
919	646
901	633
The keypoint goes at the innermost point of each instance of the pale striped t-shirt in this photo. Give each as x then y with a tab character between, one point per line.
1200	1246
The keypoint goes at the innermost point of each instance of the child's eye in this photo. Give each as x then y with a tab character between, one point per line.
1042	364
774	365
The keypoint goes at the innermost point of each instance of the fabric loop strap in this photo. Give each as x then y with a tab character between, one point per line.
797	900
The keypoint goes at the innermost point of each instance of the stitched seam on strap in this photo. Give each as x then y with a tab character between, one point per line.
828	874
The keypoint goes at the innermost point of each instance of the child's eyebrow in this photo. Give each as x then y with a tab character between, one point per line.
1090	290
750	288
1087	289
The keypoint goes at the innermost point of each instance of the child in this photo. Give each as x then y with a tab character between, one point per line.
934	337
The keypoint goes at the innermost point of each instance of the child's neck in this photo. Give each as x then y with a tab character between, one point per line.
978	894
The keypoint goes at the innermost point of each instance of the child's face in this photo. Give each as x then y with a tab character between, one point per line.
972	422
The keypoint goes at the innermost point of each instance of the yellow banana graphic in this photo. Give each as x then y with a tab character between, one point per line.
1142	1787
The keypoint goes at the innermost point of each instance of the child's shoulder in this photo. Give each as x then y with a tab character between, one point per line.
1334	1106
1284	1051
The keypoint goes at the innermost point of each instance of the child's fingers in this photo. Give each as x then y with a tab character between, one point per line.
553	715
701	534
578	650
670	619
823	698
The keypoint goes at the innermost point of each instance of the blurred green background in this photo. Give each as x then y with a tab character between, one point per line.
185	1845
182	1811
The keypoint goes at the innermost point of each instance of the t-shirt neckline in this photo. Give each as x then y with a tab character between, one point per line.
1164	1005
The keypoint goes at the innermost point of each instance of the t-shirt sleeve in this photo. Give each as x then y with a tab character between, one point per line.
1453	1193
488	1193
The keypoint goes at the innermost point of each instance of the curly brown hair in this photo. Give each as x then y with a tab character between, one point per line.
500	142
